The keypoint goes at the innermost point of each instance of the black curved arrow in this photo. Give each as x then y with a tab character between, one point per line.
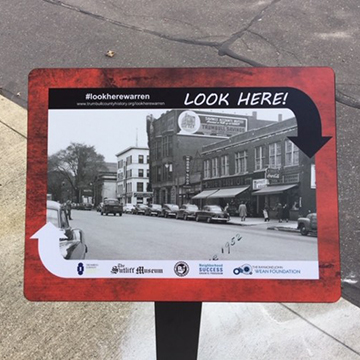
309	138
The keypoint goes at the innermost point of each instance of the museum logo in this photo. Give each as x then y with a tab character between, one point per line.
181	268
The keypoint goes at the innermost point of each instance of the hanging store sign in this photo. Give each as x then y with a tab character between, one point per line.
187	159
271	173
101	256
260	183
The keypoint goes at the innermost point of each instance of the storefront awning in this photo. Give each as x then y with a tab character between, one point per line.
204	194
276	189
228	193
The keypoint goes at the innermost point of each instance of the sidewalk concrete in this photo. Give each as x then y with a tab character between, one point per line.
290	226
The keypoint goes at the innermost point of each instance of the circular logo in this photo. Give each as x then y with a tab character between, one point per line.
181	268
189	122
244	269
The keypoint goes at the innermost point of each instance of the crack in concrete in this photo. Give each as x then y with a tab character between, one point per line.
173	20
222	47
278	50
226	44
133	27
321	330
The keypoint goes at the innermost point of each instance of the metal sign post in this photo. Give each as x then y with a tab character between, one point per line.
177	330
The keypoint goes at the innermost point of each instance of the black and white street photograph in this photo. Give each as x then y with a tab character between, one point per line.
170	184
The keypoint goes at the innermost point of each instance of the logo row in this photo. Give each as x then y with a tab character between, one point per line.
181	269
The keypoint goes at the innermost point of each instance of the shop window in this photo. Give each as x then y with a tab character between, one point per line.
139	187
158	150
275	155
129	187
291	153
207	169
224	165
259	157
215	167
167	172
241	162
129	160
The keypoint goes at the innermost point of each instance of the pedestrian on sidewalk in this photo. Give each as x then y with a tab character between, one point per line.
68	209
286	213
242	211
266	214
279	212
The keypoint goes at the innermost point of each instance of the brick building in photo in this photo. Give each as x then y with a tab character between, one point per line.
260	167
176	140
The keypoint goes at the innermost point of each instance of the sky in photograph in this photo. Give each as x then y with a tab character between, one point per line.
112	131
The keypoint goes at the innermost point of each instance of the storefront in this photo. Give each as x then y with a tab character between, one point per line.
271	196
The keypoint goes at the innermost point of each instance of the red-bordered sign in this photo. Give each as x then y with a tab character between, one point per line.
99	138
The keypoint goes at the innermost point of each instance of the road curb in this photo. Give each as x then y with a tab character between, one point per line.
282	228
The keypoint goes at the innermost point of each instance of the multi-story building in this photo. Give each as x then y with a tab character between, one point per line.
133	175
176	139
261	167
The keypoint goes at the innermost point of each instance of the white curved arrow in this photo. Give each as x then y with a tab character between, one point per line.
49	249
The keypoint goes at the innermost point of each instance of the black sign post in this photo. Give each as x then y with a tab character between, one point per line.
177	330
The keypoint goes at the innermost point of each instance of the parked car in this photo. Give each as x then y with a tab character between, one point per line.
187	212
212	213
308	225
88	206
128	208
139	209
153	209
73	246
170	210
111	206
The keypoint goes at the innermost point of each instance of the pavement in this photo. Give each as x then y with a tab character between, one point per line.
53	33
290	226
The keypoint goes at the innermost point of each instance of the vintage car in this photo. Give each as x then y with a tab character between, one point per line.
187	212
88	206
139	209
169	210
212	213
128	208
153	209
111	206
72	246
308	225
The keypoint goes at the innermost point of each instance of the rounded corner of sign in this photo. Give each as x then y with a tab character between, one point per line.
29	295
336	296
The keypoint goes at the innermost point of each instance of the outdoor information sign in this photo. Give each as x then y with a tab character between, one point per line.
182	185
